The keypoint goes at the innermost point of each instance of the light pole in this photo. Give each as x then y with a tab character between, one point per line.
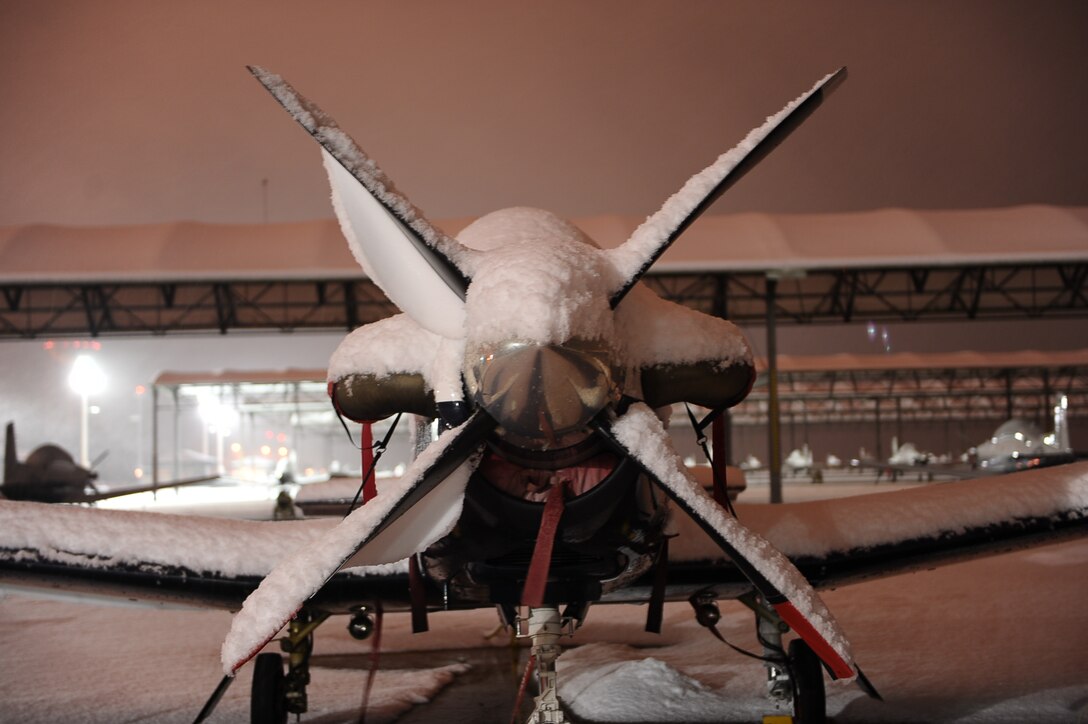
86	379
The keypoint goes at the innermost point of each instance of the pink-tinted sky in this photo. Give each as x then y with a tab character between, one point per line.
128	111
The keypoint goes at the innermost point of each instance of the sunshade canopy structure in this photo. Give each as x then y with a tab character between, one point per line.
890	264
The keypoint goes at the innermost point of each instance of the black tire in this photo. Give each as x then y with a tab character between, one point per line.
267	703
809	699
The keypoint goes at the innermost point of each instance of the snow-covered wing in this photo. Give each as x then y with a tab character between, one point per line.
417	265
641	435
404	518
650	240
841	541
62	533
155	559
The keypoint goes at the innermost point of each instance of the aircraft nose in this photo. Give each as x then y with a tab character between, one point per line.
541	395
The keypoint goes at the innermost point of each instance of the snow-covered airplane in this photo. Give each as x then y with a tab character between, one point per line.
546	362
51	475
799	460
1019	444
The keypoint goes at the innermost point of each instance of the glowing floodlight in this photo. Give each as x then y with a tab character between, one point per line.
216	415
86	377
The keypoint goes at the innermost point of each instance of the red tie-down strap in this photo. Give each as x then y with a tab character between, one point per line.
370	485
366	445
537	578
523	687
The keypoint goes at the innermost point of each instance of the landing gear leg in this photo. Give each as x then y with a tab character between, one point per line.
796	674
545	628
770	628
274	694
298	645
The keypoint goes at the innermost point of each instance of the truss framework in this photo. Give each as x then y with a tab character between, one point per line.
960	394
1054	290
1050	290
133	308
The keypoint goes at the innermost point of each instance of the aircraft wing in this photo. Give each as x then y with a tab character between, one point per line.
210	562
157	559
115	493
846	540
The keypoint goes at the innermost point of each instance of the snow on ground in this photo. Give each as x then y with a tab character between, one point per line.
996	640
91	664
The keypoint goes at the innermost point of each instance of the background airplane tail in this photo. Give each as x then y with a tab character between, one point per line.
9	452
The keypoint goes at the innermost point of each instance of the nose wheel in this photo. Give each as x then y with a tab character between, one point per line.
267	702
809	696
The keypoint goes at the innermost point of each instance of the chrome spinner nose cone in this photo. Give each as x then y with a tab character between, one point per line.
542	395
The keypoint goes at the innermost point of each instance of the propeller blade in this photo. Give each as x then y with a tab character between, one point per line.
405	517
640	435
413	261
650	240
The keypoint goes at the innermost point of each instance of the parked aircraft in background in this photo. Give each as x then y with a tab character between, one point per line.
799	460
1016	444
51	475
908	455
1019	444
751	463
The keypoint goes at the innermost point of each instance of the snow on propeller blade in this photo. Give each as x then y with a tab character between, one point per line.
657	233
639	434
425	277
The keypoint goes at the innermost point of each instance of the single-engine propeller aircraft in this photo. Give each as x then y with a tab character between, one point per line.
545	361
549	366
51	475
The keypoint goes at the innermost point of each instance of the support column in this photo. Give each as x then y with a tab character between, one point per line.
154	439
1008	395
774	422
879	443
